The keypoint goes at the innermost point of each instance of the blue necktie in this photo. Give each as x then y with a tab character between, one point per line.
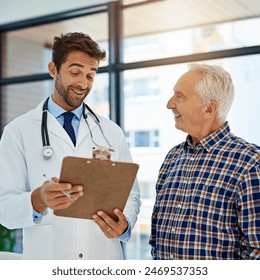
68	116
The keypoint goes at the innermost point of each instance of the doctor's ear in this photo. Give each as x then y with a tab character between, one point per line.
52	69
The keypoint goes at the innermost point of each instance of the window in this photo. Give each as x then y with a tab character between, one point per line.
141	87
149	34
17	99
143	138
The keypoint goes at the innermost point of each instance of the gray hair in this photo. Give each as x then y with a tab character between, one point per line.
216	85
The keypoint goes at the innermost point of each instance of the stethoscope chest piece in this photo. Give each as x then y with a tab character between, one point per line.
47	152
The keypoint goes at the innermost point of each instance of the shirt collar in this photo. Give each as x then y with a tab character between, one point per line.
211	140
56	110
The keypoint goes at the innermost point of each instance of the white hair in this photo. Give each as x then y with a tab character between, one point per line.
216	84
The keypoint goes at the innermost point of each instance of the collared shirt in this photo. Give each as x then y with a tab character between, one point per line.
57	112
208	200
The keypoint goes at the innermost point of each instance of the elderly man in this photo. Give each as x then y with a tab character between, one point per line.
208	190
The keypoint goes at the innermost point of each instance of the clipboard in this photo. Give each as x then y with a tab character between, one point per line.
107	185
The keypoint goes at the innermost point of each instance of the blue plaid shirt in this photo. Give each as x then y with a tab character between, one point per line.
208	200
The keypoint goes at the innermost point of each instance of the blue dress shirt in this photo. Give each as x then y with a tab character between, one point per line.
57	112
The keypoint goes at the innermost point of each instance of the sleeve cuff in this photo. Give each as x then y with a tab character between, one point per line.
127	233
37	217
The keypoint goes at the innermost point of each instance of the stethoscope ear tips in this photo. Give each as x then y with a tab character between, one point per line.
47	152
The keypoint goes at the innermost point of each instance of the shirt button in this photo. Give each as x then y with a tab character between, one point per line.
179	205
80	256
173	229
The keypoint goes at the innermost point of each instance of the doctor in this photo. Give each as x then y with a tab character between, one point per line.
27	199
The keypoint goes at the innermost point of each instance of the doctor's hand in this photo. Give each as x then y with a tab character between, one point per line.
50	195
109	226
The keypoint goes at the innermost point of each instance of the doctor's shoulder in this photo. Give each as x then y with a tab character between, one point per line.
114	133
22	122
110	126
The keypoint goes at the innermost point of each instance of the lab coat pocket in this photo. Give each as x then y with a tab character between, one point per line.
38	242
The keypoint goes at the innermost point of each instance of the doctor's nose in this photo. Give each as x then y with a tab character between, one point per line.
83	83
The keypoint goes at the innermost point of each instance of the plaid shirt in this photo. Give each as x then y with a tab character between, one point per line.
208	200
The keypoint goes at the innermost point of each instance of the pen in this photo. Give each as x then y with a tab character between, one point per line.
51	181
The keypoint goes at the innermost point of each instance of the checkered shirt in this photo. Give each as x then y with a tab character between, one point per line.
208	200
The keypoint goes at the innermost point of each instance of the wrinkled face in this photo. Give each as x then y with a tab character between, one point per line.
75	79
185	104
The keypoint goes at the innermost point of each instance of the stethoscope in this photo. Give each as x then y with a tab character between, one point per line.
47	150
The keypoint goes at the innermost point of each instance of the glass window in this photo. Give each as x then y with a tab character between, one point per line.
98	98
28	51
17	99
141	87
148	138
152	37
142	139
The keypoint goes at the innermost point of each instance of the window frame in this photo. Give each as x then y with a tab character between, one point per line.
115	67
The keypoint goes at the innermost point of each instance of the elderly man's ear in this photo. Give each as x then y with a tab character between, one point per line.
211	109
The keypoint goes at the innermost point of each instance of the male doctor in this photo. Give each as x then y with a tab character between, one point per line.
27	200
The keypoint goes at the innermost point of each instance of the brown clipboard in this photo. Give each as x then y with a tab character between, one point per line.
107	185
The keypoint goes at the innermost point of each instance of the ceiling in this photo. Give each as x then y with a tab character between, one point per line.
163	15
152	17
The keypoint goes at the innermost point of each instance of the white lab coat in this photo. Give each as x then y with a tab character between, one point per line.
21	171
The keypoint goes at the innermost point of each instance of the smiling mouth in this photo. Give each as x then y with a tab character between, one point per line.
78	92
176	115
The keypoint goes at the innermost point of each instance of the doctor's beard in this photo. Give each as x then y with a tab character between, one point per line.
68	95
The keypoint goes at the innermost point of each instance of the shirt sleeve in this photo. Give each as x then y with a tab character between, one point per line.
126	235
154	220
152	240
249	214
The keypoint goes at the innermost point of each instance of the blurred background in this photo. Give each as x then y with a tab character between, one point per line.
149	44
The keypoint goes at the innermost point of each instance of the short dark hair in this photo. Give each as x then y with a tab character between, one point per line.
66	43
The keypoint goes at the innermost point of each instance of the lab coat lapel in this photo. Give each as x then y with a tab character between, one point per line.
53	125
55	128
84	130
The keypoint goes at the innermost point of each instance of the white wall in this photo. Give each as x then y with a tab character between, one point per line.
16	10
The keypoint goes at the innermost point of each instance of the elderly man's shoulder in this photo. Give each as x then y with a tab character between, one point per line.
247	148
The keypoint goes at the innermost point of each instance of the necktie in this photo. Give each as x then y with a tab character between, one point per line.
68	126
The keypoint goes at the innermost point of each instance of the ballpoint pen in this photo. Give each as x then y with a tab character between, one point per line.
64	192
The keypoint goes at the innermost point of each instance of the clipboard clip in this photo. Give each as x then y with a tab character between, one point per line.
101	153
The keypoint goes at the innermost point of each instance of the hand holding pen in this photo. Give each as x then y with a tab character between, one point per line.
64	192
55	195
60	195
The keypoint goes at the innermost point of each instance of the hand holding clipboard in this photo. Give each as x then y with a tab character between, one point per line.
107	185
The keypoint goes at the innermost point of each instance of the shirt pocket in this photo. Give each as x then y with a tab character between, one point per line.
215	204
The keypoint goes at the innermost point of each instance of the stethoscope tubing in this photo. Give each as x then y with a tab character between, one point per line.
47	149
